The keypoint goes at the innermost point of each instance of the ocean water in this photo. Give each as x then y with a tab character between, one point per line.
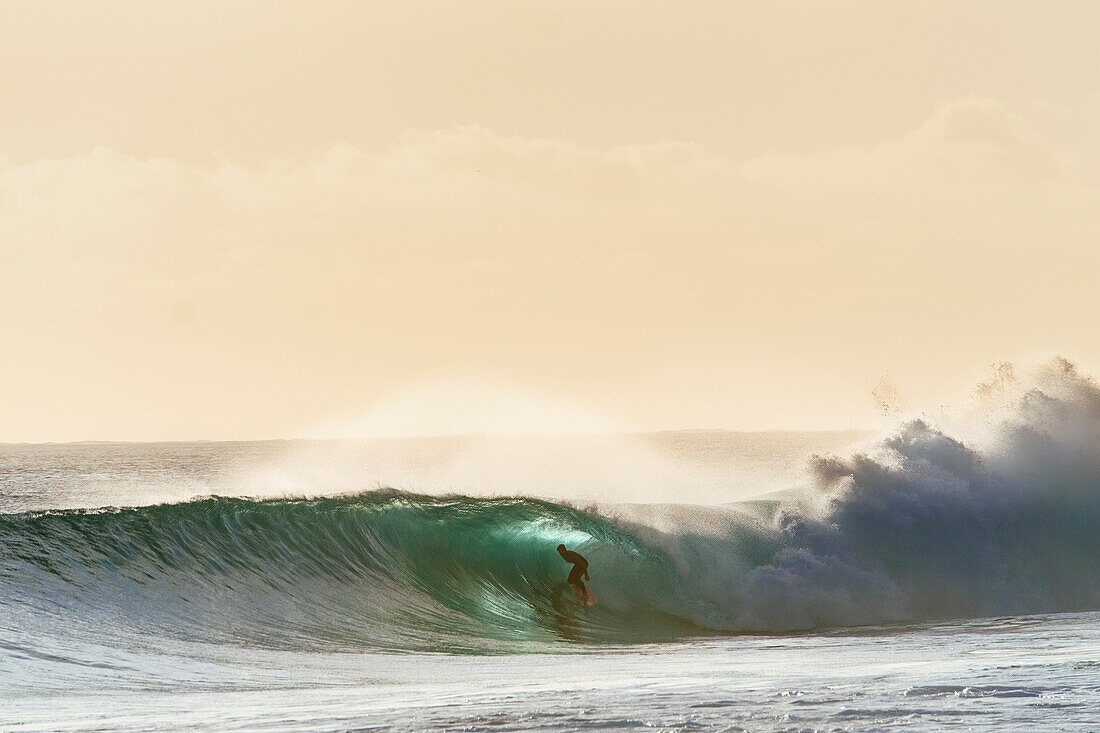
944	575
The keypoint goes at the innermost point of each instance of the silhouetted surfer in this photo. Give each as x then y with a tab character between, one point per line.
580	567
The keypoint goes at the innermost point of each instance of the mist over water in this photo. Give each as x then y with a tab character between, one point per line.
680	466
923	525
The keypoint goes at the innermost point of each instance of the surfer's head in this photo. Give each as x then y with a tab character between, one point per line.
561	548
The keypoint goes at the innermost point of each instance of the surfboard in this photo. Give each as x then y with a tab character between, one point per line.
585	597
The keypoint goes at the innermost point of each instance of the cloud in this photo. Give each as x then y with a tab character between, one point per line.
979	121
96	201
468	197
108	204
462	247
973	140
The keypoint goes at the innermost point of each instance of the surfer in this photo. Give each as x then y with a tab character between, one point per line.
580	567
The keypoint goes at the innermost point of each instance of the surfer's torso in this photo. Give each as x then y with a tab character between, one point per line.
580	565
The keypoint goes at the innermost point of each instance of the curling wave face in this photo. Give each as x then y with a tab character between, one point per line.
383	570
924	526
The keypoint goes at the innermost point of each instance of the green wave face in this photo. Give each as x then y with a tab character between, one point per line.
382	570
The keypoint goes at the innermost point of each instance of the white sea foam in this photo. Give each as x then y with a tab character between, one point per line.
922	525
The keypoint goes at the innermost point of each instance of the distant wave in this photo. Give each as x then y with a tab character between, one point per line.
922	526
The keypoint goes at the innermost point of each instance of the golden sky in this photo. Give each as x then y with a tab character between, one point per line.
261	219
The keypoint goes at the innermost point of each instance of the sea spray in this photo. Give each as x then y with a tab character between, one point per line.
925	526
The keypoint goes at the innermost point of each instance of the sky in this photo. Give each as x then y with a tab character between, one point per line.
232	220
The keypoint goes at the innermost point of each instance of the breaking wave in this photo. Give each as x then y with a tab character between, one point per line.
925	525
